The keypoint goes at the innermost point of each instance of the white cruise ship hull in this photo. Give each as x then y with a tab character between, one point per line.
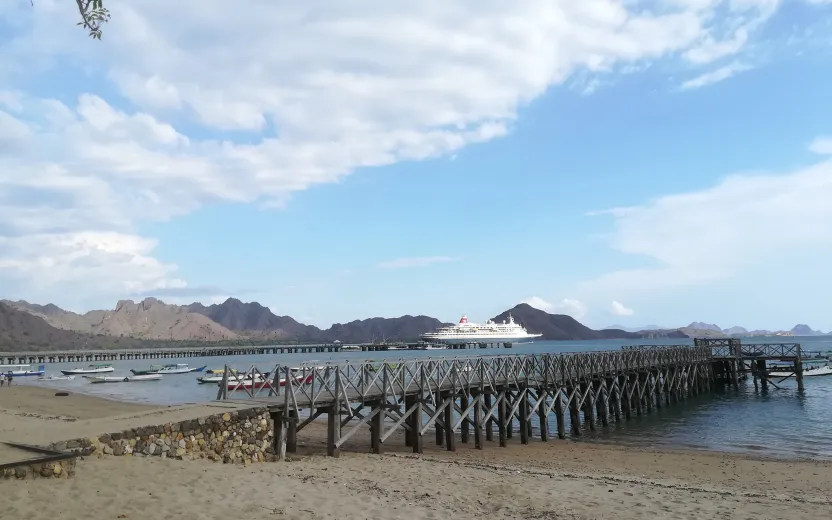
490	338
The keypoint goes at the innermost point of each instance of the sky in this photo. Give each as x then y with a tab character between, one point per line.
622	161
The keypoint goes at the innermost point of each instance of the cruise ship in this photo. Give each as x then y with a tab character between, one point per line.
467	333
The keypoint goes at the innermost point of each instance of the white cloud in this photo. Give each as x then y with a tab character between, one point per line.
419	261
822	145
571	307
744	223
619	309
715	76
252	105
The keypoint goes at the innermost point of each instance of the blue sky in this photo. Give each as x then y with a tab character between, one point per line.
415	160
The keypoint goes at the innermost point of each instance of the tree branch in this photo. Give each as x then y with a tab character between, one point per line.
93	16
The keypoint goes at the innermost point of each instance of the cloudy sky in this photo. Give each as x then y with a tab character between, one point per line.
623	161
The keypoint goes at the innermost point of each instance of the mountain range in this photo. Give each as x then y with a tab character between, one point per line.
151	322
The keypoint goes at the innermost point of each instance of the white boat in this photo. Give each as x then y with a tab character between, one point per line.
56	378
123	379
808	372
92	369
465	333
21	370
179	368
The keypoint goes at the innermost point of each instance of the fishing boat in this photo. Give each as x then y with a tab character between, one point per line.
807	372
145	371
123	379
216	375
179	368
56	378
21	370
260	382
92	369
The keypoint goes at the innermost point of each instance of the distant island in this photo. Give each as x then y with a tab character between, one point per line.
153	323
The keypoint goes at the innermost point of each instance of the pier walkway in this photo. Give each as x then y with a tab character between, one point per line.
76	356
474	396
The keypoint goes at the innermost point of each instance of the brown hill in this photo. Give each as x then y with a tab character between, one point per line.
148	319
559	326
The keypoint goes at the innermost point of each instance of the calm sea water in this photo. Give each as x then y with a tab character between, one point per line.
778	422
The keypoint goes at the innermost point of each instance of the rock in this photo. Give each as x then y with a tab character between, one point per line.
128	449
180	452
226	417
105	439
20	472
118	450
73	444
107	449
181	444
57	470
116	436
151	449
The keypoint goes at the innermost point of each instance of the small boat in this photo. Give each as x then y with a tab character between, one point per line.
807	372
145	371
179	368
56	378
260	382
92	369
216	375
21	370
123	379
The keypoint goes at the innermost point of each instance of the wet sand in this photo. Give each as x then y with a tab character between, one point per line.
557	479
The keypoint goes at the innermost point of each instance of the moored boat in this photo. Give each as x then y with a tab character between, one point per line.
123	379
21	370
261	382
808	372
216	375
56	378
178	368
91	369
145	371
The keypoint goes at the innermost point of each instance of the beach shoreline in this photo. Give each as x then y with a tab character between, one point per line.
545	480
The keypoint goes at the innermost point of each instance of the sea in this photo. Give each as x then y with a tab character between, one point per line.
778	422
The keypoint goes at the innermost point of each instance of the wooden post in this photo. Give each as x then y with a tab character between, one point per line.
409	430
798	369
561	420
501	418
450	437
440	432
292	431
626	395
489	424
279	440
465	426
541	414
603	404
378	427
416	435
333	435
659	378
509	418
524	416
478	420
574	412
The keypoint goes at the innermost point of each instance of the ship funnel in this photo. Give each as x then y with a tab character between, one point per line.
464	319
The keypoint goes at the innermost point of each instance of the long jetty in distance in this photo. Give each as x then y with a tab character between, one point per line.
461	397
84	355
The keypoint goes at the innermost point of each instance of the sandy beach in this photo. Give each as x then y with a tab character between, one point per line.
558	479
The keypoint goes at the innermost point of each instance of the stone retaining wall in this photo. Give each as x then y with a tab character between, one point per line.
241	437
62	469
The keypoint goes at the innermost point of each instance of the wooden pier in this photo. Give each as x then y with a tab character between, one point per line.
464	397
733	360
80	356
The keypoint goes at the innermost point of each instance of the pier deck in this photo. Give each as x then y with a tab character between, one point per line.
476	395
80	356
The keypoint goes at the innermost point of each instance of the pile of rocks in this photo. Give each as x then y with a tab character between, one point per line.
241	437
64	468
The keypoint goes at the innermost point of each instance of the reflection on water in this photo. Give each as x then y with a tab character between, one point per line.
777	422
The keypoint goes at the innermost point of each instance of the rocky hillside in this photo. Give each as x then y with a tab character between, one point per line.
253	319
559	326
148	319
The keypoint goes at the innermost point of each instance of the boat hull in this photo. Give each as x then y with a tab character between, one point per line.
82	371
260	383
476	339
